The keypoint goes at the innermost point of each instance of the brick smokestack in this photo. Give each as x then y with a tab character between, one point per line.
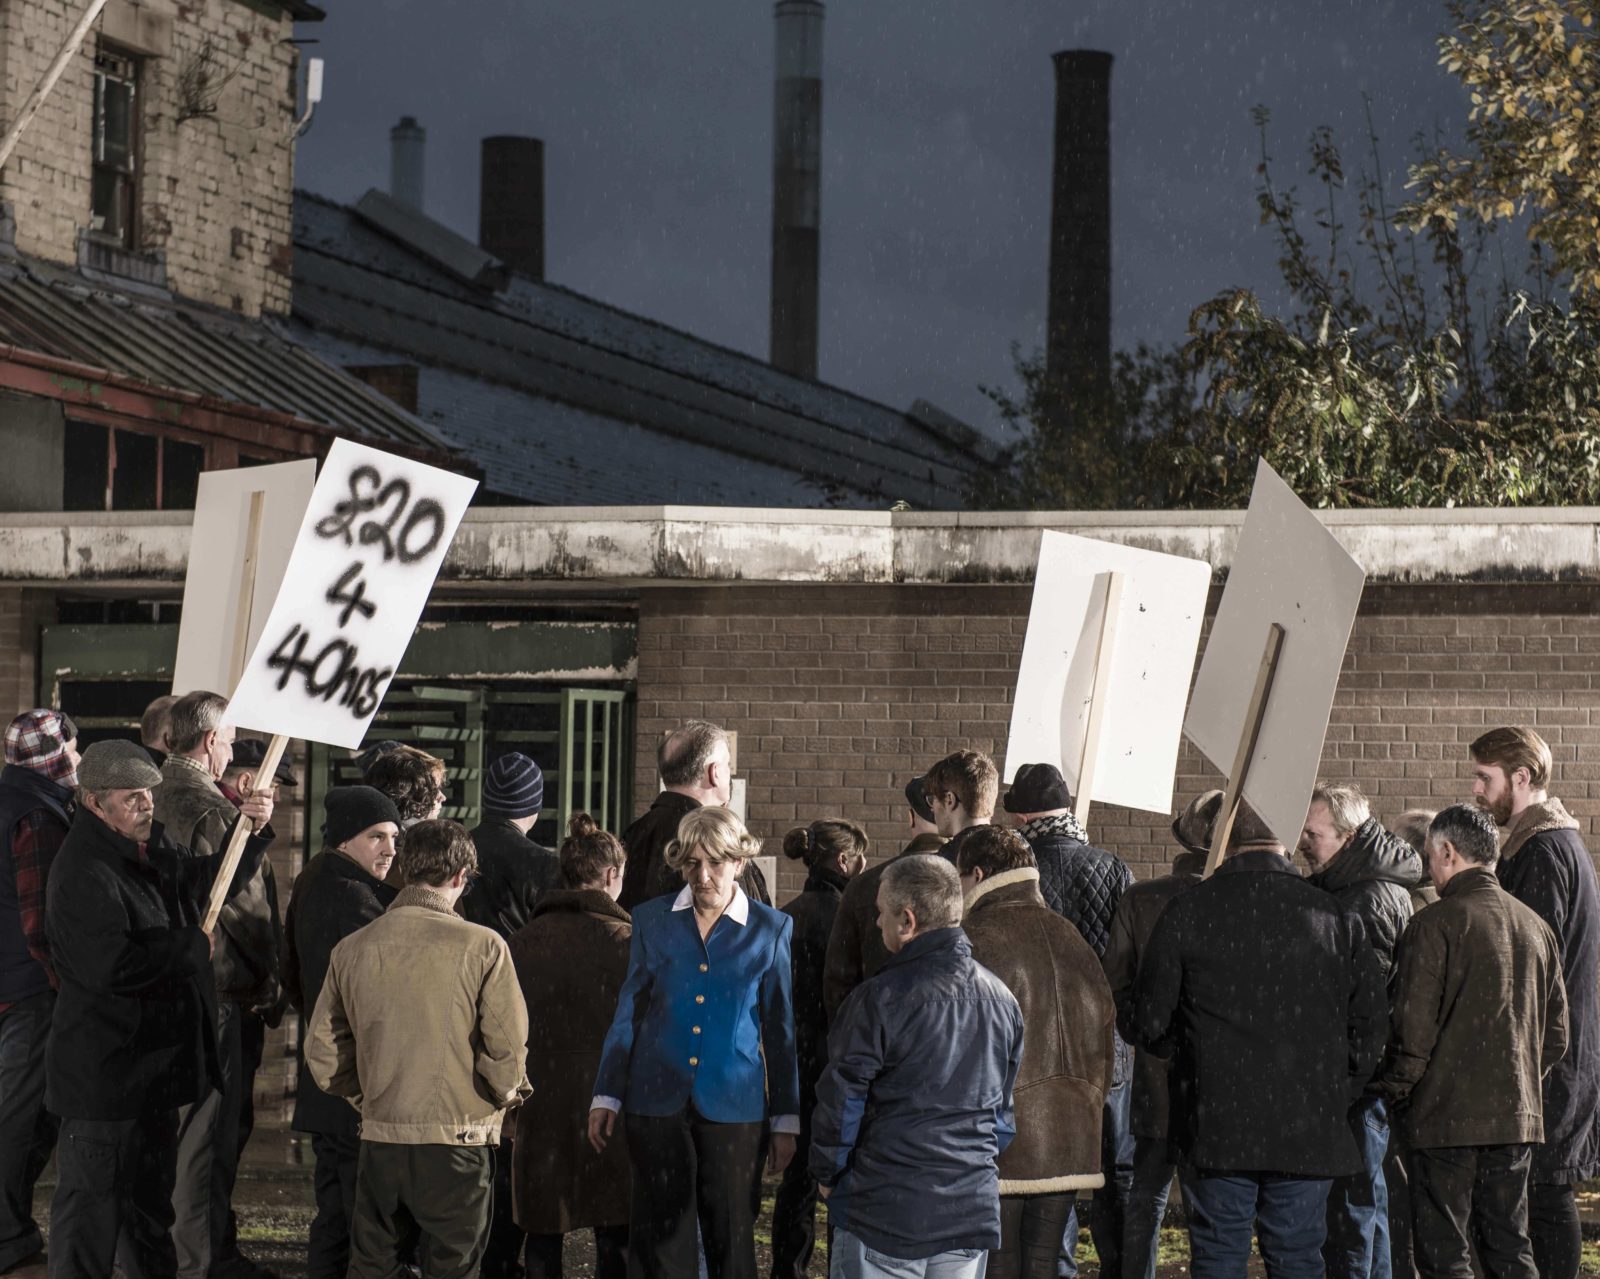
407	142
1078	327
796	186
511	203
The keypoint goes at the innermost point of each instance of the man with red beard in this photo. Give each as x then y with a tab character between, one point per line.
1544	865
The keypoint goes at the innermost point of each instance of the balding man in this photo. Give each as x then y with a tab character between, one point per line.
695	763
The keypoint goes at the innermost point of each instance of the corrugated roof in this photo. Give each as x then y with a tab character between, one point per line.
354	282
179	346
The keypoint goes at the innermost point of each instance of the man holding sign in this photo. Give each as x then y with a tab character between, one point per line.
134	1035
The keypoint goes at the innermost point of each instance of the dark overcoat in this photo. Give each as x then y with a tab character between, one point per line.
1270	1000
135	1019
513	872
571	959
332	897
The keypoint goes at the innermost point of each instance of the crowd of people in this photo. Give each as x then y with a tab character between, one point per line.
1386	1065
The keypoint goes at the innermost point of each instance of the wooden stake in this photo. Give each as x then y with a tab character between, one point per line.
1097	696
41	91
247	591
1249	735
241	832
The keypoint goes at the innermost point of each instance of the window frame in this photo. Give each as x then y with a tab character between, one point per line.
131	73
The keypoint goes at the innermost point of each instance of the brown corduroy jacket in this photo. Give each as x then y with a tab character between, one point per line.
1480	1013
1067	1020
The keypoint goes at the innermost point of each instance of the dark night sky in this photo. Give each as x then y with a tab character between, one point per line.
937	119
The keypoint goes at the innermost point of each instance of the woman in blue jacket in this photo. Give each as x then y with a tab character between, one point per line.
700	1055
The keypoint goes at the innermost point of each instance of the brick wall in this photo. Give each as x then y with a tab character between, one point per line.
215	191
22	612
839	694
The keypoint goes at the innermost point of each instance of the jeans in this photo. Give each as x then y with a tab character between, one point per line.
1030	1235
852	1259
27	1129
1466	1197
1554	1230
1147	1205
1109	1205
113	1199
1358	1205
1287	1214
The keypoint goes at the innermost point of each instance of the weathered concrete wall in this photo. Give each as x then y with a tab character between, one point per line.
32	439
840	695
215	190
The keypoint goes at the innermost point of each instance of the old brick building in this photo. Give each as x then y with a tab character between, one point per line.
145	250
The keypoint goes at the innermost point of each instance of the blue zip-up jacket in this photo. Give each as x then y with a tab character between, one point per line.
710	1022
915	1105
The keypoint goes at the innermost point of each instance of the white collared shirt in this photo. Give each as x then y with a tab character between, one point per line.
738	909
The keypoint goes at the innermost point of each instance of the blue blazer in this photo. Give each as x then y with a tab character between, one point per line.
709	1022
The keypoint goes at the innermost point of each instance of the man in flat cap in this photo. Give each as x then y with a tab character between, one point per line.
134	1033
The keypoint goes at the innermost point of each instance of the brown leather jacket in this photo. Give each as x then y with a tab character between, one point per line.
1067	1020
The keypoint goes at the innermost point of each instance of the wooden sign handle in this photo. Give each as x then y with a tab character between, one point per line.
1249	735
247	591
241	832
1097	697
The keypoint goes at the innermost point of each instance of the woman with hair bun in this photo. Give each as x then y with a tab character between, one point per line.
834	852
700	1058
571	959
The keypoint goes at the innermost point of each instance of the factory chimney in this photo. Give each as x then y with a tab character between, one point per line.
407	141
1078	325
796	186
511	203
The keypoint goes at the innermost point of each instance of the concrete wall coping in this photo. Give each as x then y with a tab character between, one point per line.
630	547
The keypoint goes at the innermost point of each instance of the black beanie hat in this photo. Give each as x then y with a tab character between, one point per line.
351	809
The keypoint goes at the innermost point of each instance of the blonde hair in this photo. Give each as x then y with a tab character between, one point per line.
716	833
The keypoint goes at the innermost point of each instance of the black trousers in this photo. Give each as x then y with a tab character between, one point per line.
1554	1230
252	1045
794	1214
27	1129
1030	1235
328	1245
502	1255
113	1199
1397	1179
445	1193
610	1254
1471	1196
685	1165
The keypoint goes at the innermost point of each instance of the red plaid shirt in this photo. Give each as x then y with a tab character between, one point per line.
34	844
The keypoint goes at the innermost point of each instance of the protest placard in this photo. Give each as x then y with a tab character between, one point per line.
1288	572
245	524
1130	670
364	561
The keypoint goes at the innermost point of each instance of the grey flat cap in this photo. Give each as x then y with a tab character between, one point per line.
117	764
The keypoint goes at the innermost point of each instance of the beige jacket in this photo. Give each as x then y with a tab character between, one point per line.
421	1027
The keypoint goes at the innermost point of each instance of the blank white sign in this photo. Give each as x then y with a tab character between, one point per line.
1156	635
212	585
1290	570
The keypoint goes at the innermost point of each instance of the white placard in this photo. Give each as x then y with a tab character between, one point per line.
1290	570
364	561
1152	659
207	635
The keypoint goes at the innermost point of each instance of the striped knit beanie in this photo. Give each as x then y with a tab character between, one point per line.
513	787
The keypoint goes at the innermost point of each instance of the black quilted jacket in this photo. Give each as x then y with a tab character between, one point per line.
1080	882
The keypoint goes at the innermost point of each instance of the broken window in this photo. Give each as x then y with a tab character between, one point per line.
114	187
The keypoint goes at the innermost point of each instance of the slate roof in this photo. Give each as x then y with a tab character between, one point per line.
563	399
151	340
